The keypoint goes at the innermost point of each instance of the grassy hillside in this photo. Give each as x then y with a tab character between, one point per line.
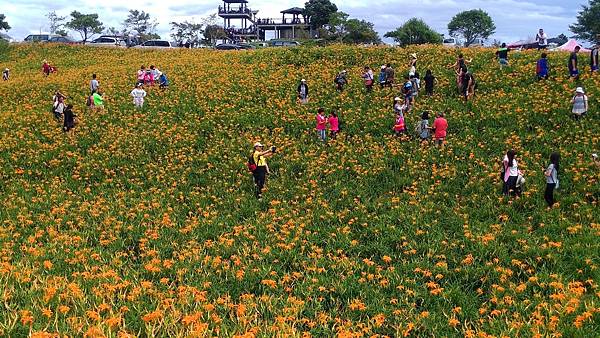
144	222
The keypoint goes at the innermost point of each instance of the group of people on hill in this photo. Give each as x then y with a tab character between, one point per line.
151	76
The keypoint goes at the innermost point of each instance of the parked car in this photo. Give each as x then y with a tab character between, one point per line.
63	39
245	46
284	43
451	42
107	41
477	43
227	46
161	44
40	37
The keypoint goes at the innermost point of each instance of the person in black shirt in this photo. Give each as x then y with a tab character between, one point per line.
502	55
573	65
468	85
69	118
430	82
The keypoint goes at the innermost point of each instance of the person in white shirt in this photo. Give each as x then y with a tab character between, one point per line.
510	168
542	39
138	94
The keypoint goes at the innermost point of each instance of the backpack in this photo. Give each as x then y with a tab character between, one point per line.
419	127
251	164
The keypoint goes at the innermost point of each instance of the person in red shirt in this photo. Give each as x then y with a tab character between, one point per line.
46	68
440	125
334	126
322	124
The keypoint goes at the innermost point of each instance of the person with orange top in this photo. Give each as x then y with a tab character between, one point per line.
440	127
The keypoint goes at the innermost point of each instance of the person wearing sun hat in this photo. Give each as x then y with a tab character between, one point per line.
382	77
341	80
138	94
5	74
580	103
259	157
303	91
412	65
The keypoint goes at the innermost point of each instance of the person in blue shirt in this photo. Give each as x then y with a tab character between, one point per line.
163	82
542	67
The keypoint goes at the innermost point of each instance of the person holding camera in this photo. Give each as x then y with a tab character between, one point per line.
262	168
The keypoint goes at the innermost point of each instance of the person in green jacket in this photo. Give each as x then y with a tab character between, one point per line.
98	99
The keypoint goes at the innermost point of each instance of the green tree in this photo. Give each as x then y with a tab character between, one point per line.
212	33
141	23
471	25
318	12
87	25
414	32
562	39
336	27
189	31
588	22
360	31
3	24
56	22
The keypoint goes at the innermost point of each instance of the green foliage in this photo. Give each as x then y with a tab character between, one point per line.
588	22
212	33
56	22
319	12
3	24
414	32
341	29
141	23
360	31
471	25
186	31
86	24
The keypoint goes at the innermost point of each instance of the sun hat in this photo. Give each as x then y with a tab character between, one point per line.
413	55
258	144
303	80
579	90
397	98
383	67
139	84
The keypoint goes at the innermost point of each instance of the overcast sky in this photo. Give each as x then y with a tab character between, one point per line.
515	19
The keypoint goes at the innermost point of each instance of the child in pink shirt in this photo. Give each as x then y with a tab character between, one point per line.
440	125
334	126
322	124
399	126
141	74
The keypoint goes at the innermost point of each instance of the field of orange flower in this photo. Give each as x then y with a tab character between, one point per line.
144	223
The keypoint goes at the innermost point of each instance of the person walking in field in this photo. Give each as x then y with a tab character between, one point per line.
69	118
542	67
422	128
149	77
440	127
5	74
430	82
321	124
389	76
382	77
412	64
502	55
47	69
469	85
302	91
163	82
551	174
594	59
141	74
334	125
542	39
341	80
407	91
510	173
460	67
58	104
94	84
399	124
368	78
138	94
580	104
573	64
97	100
261	169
